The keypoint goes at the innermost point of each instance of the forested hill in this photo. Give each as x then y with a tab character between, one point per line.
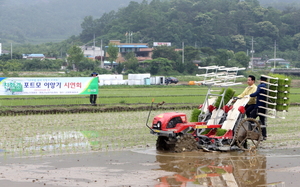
227	24
281	4
49	20
38	21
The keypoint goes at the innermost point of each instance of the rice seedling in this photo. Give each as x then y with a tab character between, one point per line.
68	133
42	134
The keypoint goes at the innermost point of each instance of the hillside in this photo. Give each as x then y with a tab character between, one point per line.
283	5
37	21
218	24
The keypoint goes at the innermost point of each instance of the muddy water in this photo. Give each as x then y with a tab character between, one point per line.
146	167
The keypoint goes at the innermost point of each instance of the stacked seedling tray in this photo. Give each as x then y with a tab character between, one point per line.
277	94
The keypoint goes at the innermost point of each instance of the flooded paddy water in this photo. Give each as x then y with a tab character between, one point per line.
146	167
116	149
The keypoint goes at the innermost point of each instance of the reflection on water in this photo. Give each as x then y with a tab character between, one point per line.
234	169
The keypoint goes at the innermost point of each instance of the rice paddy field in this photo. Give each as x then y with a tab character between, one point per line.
85	131
75	133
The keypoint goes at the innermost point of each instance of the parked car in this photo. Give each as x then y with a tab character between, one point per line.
170	80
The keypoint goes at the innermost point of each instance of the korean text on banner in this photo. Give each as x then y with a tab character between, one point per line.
48	86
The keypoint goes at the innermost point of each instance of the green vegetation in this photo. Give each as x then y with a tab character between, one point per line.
130	95
214	33
116	94
112	51
283	91
195	113
116	98
205	131
227	96
74	133
221	132
75	56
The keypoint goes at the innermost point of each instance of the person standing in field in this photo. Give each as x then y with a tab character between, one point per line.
93	97
249	90
258	108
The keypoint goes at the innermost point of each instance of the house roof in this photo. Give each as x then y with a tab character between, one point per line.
34	55
132	46
108	62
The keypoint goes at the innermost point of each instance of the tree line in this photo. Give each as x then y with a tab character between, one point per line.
228	24
165	61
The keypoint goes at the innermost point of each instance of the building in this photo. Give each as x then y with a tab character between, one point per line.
92	52
257	62
273	62
33	56
141	50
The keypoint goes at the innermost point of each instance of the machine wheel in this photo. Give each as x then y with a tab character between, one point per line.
185	143
162	145
249	129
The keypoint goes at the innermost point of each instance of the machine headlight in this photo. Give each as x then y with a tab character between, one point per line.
158	124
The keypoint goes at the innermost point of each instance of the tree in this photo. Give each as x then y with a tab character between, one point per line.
223	56
131	62
296	39
242	59
120	68
75	56
165	52
6	57
88	29
160	66
190	67
179	66
11	65
191	54
208	51
266	28
87	64
112	51
238	41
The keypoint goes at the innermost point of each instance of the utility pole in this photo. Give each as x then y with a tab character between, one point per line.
182	52
102	55
11	50
252	52
94	48
275	54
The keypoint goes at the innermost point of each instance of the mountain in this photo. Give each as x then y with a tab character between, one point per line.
281	4
37	21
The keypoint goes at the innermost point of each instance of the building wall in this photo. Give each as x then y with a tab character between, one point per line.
92	52
141	53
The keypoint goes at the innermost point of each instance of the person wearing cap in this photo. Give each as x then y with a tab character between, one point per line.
93	97
259	103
